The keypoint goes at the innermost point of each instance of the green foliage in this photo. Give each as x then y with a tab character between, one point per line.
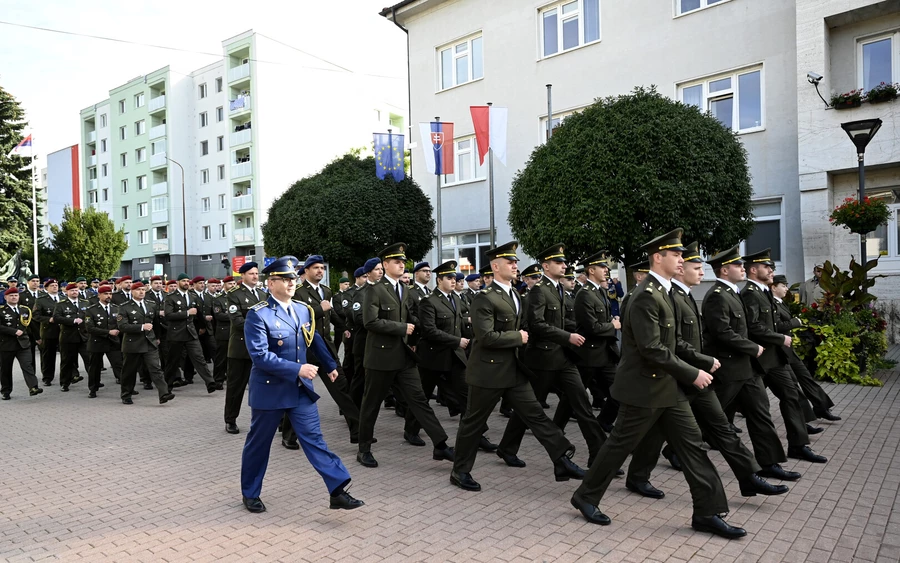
347	214
627	169
87	244
860	217
848	288
15	180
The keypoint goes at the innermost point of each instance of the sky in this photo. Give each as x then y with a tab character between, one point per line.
55	75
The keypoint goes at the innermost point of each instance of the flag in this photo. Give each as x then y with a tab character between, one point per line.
490	130
20	148
389	156
439	136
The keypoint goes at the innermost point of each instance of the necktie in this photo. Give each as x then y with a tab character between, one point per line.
255	296
399	292
187	301
512	295
16	310
452	302
143	308
693	304
560	288
107	310
321	293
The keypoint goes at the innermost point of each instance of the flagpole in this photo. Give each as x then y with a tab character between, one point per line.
34	227
391	149
491	187
440	249
549	112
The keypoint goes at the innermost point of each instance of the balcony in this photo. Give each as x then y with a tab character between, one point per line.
240	137
157	103
243	236
92	160
160	216
242	203
239	72
239	104
241	169
91	137
157	160
159	189
161	245
92	184
158	131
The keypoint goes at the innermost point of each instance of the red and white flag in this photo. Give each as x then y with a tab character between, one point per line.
490	130
21	147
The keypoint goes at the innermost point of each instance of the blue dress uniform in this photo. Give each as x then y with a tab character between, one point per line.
277	345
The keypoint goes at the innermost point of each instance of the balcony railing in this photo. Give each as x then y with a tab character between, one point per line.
240	104
160	216
92	184
159	189
241	203
157	160
243	235
92	137
158	131
241	169
240	137
161	245
92	160
156	103
239	72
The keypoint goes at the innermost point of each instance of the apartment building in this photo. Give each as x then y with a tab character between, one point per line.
190	162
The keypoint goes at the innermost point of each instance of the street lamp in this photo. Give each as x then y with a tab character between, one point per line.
861	133
183	211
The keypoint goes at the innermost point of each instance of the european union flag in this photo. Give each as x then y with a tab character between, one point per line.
389	156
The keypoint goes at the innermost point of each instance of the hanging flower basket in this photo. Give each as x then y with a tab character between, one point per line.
847	100
860	217
884	92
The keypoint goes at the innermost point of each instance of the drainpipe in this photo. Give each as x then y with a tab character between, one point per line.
408	85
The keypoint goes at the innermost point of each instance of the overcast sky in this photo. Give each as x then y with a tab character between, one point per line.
56	75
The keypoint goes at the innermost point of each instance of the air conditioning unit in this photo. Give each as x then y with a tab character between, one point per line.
245	61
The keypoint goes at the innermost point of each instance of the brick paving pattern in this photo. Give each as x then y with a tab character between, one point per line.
95	480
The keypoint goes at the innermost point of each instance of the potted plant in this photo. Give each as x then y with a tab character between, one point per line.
884	92
860	217
851	99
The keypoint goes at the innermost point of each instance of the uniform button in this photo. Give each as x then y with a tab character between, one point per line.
267	381
654	375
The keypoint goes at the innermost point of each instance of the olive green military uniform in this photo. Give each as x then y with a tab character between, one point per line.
100	319
240	300
140	348
15	347
49	335
222	333
183	337
72	339
811	389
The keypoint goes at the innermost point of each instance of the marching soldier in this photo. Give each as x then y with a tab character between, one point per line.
15	344
49	340
240	300
123	290
640	272
359	280
373	271
222	330
157	296
180	310
204	318
28	297
487	275
140	345
82	284
337	316
473	281
69	315
422	275
103	338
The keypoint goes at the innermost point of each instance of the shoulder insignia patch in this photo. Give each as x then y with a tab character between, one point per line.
648	289
118	317
233	309
344	303
717	291
258	306
233	289
357	306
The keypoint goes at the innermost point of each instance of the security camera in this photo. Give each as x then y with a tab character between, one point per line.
813	78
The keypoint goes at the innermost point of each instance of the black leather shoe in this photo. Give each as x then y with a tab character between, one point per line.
507	412
118	382
486	445
827	415
620	472
673	458
806	454
127	402
344	501
148	386
35	391
166	398
444	454
135	393
715	525
775	471
413	439
77	378
101	385
544	405
231	428
211	388
178	383
254	504
291	445
645	489
814	429
400	411
47	383
91	395
755	485
220	386
64	388
464	481
590	512
5	396
565	469
366	459
510	460
736	431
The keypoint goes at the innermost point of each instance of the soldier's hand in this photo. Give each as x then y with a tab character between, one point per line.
332	375
576	339
760	351
202	331
716	365
208	317
410	328
192	311
326	305
703	380
78	321
147	326
788	341
308	371
463	343
617	324
162	313
51	320
524	336
114	332
39	342
346	334
19	333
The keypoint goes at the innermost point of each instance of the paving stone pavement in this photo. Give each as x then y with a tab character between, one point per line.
95	480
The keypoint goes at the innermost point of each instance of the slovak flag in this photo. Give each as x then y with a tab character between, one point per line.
438	135
20	148
490	130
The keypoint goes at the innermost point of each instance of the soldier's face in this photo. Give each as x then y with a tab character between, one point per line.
600	273
282	288
779	290
72	293
33	284
156	285
554	269
82	285
12	298
52	288
568	283
423	276
95	285
229	285
405	278
504	270
693	274
345	286
315	273
184	284
199	286
668	261
488	279
474	285
250	277
105	297
127	285
137	294
393	267
446	283
734	272
376	274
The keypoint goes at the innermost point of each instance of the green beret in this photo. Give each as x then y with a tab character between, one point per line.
344	280
80	279
183	277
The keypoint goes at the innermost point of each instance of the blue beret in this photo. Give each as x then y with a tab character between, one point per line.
460	276
419	266
360	272
473	277
248	266
370	264
314	259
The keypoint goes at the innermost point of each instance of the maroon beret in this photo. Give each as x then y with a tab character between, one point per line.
137	285
104	289
11	290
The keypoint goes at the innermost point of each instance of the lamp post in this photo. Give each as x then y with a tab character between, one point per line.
183	211
861	132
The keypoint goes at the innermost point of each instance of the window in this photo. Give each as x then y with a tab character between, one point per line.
123	160
160	233
735	99
92	173
104	170
102	120
121	107
220	143
143	236
207	234
221	201
128	238
92	196
568	25
204	204
105	194
142	209
124	186
877	61
123	133
140	155
220	114
140	127
467	249
206	258
124	212
143	260
204	176
204	148
461	63
159	203
557	121
219	84
221	172
223	230
767	233
102	145
203	90
141	183
204	119
685	6
139	100
467	167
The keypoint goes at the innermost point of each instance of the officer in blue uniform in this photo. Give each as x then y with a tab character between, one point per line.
278	332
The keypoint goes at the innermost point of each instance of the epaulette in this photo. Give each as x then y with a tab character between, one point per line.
648	289
426	296
717	290
233	289
260	305
751	286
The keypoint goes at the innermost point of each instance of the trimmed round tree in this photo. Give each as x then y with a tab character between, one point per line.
346	214
627	169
